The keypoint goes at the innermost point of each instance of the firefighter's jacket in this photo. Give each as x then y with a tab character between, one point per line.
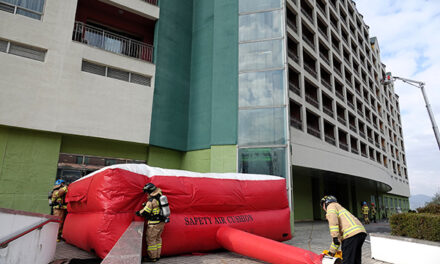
152	208
58	196
365	209
373	210
342	224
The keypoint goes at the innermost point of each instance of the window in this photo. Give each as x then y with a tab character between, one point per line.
115	73
22	50
29	8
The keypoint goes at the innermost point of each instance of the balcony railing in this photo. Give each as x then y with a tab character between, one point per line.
343	146
323	33
353	128
341	119
338	71
340	95
327	110
330	139
309	41
153	2
360	112
292	24
370	140
325	58
364	154
294	88
350	104
310	70
362	134
313	101
355	151
112	42
326	84
309	17
313	131
296	123
322	9
294	55
335	46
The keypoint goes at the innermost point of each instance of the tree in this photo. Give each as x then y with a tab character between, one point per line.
435	199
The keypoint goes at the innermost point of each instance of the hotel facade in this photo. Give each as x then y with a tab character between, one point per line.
289	88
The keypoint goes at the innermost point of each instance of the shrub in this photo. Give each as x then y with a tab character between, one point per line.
430	209
421	226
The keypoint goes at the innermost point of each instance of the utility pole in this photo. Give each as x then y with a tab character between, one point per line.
390	79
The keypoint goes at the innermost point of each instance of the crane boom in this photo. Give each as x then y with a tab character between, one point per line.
421	85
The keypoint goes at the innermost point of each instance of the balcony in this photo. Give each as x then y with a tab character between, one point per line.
293	55
325	58
309	41
102	39
313	131
313	101
292	25
330	140
307	15
310	70
341	119
153	2
327	110
362	134
323	33
351	105
355	151
353	128
326	84
343	146
340	95
338	71
294	88
296	123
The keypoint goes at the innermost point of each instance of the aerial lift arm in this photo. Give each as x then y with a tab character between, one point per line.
421	85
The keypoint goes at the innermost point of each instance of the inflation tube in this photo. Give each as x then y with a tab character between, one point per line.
267	250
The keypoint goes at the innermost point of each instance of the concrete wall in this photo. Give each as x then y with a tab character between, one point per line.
55	95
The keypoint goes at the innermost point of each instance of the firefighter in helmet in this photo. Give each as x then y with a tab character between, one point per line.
57	201
365	211
156	211
345	229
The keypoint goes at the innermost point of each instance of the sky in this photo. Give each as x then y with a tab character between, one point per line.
408	32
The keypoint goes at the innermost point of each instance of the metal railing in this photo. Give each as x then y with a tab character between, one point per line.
294	55
294	88
97	37
338	71
309	41
312	101
362	134
326	84
340	95
336	46
355	151
343	146
307	15
310	70
325	58
323	33
350	104
330	139
313	131
327	110
341	119
296	123
292	24
360	112
153	2
322	9
353	128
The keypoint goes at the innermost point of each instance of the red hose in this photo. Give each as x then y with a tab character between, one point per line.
264	249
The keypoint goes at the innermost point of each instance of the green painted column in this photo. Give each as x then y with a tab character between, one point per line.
28	166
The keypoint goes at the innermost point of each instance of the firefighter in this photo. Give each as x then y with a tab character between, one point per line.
155	211
345	228
57	202
373	212
365	211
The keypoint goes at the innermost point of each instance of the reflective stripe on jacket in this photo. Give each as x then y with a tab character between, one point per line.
365	209
342	224
58	197
152	208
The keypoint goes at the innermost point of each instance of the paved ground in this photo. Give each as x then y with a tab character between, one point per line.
313	236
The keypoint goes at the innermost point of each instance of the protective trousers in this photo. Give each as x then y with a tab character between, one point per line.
61	213
352	249
154	239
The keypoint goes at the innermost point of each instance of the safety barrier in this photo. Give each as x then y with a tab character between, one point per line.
27	237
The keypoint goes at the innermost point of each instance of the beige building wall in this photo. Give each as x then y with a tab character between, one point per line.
55	95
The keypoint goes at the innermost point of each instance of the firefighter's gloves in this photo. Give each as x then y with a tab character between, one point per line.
331	254
336	241
138	213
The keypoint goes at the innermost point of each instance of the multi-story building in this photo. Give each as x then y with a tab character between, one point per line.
288	88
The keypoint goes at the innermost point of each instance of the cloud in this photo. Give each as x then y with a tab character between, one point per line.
407	32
